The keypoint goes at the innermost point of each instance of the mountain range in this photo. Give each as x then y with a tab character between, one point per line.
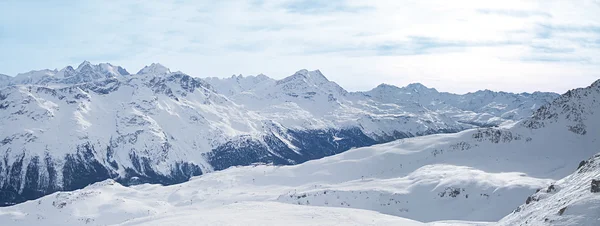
542	169
65	129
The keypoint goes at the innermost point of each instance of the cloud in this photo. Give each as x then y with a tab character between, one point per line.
514	13
318	7
568	59
460	47
550	49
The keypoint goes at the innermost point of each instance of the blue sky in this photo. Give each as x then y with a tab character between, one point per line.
547	45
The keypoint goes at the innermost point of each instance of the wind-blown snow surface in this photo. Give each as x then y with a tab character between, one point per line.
569	201
65	129
475	175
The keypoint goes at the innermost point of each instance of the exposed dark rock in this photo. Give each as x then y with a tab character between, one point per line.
312	144
562	210
581	164
595	187
531	199
80	169
451	192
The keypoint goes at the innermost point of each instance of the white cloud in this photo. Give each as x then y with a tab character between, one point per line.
459	46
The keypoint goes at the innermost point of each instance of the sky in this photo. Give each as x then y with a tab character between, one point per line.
456	46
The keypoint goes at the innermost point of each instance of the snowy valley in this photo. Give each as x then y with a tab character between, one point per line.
300	150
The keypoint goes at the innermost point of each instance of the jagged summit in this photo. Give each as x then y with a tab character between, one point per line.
412	87
115	70
83	65
386	86
85	72
574	110
416	86
262	76
315	75
310	77
307	84
237	84
155	69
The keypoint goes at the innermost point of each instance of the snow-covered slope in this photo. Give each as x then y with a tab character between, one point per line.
574	200
68	128
476	175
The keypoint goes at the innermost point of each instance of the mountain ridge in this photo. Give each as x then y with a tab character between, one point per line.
164	127
479	176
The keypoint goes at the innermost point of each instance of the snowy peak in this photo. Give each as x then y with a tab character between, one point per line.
237	84
85	64
315	75
154	69
88	72
311	77
106	69
413	88
250	78
419	88
386	86
263	77
261	91
102	68
305	81
66	72
185	82
115	70
85	72
575	109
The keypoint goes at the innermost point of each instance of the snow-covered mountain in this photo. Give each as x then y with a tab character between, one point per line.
481	174
85	72
482	108
235	85
69	128
154	69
